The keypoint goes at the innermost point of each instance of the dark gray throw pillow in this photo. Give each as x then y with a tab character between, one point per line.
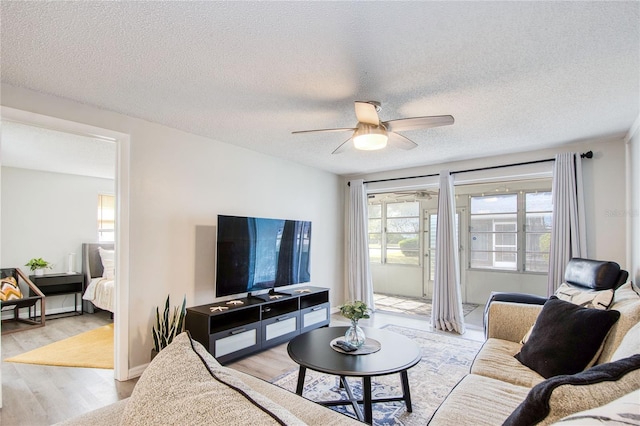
565	338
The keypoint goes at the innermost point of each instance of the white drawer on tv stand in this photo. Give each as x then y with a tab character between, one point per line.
233	343
280	329
314	317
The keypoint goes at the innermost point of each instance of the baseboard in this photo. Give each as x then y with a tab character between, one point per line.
137	371
24	313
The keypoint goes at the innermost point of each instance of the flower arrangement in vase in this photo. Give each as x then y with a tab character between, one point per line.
355	311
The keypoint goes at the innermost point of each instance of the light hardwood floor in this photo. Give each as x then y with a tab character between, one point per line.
42	395
36	395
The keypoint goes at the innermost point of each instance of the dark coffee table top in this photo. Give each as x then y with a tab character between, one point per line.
312	350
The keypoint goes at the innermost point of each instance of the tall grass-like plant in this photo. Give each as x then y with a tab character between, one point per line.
167	327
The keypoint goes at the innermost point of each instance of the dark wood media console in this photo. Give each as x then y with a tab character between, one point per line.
230	331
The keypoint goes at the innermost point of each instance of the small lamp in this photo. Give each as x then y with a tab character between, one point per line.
369	137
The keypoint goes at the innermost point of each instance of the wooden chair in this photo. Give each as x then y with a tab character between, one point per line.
30	300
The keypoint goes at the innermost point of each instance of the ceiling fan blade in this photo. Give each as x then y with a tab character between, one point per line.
343	147
400	141
343	129
404	124
366	113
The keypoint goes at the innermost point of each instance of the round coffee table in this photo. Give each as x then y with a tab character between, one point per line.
396	355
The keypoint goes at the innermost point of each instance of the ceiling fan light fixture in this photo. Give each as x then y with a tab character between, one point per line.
368	137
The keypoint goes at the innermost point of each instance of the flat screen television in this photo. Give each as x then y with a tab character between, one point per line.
254	254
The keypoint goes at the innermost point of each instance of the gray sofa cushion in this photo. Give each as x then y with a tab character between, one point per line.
560	396
626	300
622	411
630	345
478	401
185	385
496	360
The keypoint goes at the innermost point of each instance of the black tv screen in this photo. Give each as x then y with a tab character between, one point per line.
255	254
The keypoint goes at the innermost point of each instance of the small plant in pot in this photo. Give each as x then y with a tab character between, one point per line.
38	265
355	311
167	326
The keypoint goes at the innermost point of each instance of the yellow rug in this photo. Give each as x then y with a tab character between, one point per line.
91	349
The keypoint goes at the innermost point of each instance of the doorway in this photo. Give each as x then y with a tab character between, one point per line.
402	243
430	222
122	142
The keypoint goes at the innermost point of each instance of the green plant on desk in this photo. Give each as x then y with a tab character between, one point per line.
38	263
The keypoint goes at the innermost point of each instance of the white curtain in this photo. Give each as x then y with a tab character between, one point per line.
568	233
447	301
359	284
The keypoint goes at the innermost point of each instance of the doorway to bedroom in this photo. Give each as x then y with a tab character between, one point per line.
55	174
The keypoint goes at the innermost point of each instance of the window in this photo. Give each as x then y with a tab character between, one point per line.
510	231
402	230
493	232
106	218
537	231
375	233
394	231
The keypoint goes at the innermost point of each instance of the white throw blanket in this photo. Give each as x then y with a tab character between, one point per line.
100	292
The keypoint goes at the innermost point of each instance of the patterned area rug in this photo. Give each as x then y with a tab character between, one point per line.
445	360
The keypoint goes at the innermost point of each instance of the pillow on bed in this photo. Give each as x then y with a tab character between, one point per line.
108	263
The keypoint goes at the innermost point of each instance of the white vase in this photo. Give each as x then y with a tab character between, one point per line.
39	272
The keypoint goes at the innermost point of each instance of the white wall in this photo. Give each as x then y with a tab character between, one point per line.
605	198
180	181
48	215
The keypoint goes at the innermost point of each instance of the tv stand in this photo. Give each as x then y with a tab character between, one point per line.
259	323
268	297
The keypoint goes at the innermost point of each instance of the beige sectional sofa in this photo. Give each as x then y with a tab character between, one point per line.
500	389
185	385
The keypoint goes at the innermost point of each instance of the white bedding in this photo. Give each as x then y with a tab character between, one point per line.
100	292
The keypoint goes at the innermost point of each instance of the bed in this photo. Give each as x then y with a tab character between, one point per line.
98	270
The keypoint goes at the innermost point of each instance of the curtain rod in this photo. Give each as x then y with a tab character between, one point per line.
588	154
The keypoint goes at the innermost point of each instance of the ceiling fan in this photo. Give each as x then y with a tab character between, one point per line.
370	133
416	195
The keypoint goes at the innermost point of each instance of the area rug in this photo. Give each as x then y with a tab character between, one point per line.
445	360
91	349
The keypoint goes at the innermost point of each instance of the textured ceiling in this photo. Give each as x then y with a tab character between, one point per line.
516	76
29	147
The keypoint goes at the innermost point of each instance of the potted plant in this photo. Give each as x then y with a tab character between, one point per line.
168	326
38	265
355	311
